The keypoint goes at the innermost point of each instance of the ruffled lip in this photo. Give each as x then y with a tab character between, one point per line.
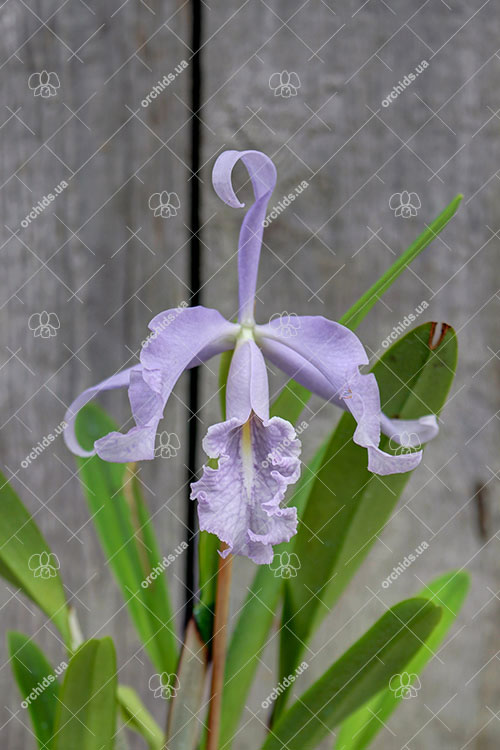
240	500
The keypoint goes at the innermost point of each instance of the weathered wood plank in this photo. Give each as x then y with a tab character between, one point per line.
334	240
99	260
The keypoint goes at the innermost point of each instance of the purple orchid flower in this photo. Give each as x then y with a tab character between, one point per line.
258	457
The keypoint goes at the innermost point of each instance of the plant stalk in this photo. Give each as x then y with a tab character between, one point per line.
219	650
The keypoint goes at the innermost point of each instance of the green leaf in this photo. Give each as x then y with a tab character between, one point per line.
208	558
126	534
358	731
252	629
250	636
137	717
37	683
187	706
86	715
26	560
359	310
347	505
360	673
290	402
293	394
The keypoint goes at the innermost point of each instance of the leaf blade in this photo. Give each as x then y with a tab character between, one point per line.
86	715
23	554
138	717
37	684
359	729
124	529
360	673
338	529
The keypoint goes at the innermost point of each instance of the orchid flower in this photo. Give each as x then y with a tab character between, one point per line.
240	501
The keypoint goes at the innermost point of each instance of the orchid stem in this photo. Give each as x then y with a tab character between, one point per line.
219	650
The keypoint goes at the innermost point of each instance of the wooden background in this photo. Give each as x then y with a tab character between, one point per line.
100	260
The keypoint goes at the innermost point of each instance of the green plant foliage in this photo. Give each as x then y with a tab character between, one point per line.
37	684
339	526
358	731
363	671
126	534
87	706
26	560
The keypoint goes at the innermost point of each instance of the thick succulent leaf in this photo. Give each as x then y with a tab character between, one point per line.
138	718
363	671
187	707
358	731
126	534
26	560
38	685
87	707
347	505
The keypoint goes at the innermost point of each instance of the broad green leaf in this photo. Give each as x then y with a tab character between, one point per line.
126	534
87	707
37	683
254	622
26	560
364	670
348	506
358	731
138	718
187	706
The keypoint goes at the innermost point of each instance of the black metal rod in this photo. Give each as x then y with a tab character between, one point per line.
194	284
